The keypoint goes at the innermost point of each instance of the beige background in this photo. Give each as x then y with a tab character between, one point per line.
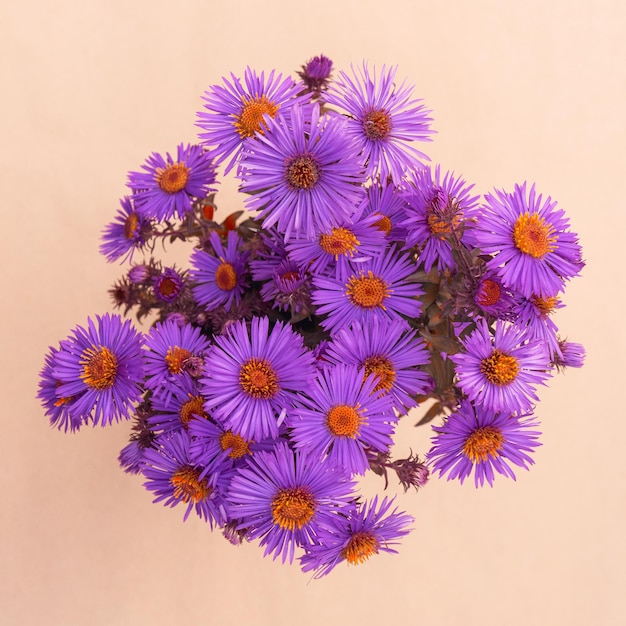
520	90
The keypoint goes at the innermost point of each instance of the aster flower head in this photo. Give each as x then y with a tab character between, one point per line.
101	368
476	439
377	288
168	285
303	173
570	354
315	74
437	208
366	530
285	498
175	479
220	280
289	289
492	297
341	416
235	112
501	372
383	119
389	350
534	314
167	186
253	376
386	204
130	231
535	252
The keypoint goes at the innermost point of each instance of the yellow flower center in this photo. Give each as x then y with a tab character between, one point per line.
377	125
225	276
340	241
545	305
383	368
194	407
173	178
482	443
99	368
499	368
367	291
360	547
250	119
237	445
175	359
131	225
258	379
303	172
383	223
292	508
187	485
533	235
343	421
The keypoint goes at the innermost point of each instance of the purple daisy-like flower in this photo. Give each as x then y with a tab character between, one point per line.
315	74
377	288
236	112
173	352
253	376
167	187
535	252
130	231
476	439
303	173
289	289
493	298
167	285
391	351
341	415
501	372
533	314
220	279
382	119
175	479
436	209
367	530
386	203
101	368
284	498
570	354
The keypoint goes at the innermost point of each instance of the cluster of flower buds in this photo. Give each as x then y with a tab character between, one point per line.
355	283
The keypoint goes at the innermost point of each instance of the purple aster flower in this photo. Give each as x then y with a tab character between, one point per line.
56	408
391	351
437	210
220	279
382	119
272	252
285	498
175	479
533	314
289	289
341	415
475	438
253	376
534	250
172	354
492	297
139	273
354	240
377	288
367	530
303	173
129	231
168	285
500	372
388	205
101	367
167	187
570	354
178	408
315	74
237	112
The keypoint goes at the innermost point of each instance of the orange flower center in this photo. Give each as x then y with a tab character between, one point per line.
194	407
490	293
131	225
258	379
383	223
360	547
340	241
168	287
250	119
173	178
545	306
343	421
499	368
367	291
292	508
237	445
533	235
482	443
377	125
175	359
303	172
225	276
187	485
383	368
99	368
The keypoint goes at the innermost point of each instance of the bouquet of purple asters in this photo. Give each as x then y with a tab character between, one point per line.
362	284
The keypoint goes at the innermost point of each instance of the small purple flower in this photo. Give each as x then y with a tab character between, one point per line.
168	285
476	439
535	252
500	372
167	187
570	354
177	409
289	289
303	173
285	498
367	530
385	202
130	231
101	368
220	279
493	298
533	314
382	119
315	74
